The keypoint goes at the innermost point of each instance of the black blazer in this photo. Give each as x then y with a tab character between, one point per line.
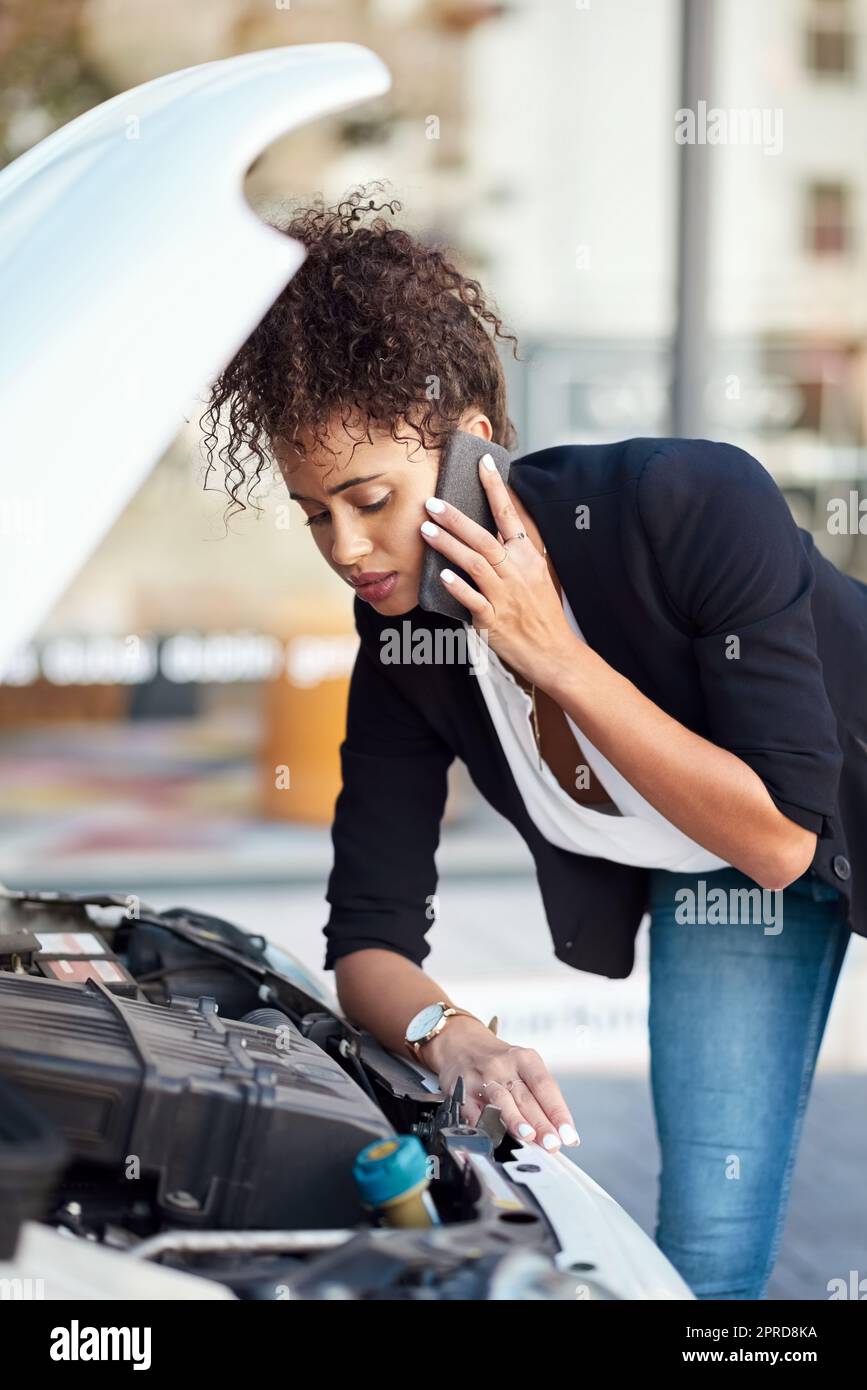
689	543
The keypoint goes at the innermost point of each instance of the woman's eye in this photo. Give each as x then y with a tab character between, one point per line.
376	506
321	517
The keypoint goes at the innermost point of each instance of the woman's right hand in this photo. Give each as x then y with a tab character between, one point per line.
515	1079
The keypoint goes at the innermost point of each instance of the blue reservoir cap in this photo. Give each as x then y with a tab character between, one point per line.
388	1168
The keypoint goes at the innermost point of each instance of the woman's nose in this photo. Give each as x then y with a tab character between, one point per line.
348	546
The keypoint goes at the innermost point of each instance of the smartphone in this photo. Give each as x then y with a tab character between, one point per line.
459	483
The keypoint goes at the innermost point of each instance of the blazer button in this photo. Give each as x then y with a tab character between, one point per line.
841	866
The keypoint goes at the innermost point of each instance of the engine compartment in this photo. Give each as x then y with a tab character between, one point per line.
202	1109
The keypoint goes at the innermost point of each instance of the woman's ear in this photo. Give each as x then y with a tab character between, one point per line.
475	421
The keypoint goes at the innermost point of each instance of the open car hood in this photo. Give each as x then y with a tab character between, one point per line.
132	269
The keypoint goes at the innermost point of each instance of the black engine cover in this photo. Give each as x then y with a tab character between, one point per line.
241	1127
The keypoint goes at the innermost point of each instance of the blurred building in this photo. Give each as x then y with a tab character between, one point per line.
573	152
539	140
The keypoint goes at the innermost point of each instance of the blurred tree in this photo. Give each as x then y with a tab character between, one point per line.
45	79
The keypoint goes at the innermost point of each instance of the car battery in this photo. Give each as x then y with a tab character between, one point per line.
76	956
67	953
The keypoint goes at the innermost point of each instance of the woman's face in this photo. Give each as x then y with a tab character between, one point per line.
364	508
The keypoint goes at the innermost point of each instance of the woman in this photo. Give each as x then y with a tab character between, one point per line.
670	711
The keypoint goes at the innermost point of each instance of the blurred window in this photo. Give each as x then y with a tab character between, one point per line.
830	39
828	228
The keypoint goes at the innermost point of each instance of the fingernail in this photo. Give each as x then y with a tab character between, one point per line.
434	504
488	462
525	1130
429	529
447	575
550	1142
569	1135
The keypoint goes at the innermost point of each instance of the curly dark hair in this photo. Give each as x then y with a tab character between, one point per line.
375	322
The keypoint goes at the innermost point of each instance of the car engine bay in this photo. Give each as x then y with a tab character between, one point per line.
178	1090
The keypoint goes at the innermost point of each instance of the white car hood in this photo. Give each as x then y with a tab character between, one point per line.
132	269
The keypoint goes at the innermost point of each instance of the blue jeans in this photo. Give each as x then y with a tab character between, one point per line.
737	1013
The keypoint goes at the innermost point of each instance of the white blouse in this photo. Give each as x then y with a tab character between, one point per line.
630	832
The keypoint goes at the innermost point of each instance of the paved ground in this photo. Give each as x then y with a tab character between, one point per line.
826	1231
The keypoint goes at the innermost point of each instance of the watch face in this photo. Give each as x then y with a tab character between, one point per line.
424	1021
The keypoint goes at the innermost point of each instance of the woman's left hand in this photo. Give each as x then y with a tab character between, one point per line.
516	608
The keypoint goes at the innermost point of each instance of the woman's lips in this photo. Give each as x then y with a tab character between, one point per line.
377	589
